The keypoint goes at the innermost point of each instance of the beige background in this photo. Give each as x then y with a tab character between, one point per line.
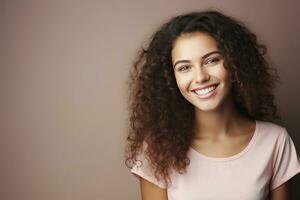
63	97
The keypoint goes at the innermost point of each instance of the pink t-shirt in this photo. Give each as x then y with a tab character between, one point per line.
269	160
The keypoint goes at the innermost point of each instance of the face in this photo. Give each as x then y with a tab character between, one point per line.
199	71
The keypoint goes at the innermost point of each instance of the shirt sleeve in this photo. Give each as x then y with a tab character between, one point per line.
286	162
142	168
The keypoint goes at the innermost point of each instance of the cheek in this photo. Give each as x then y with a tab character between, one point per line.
224	75
182	82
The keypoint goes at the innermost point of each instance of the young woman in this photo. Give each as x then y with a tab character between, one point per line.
202	122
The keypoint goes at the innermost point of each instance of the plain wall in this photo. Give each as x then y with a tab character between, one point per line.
64	66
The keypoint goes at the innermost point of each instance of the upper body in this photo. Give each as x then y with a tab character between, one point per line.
199	95
259	171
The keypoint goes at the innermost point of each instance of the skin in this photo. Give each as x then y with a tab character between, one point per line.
197	63
149	191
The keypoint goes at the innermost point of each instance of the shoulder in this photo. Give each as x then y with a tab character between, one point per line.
144	169
271	137
271	131
277	146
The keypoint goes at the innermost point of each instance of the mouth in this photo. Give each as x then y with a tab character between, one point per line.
207	92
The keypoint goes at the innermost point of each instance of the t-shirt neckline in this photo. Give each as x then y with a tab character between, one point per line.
233	157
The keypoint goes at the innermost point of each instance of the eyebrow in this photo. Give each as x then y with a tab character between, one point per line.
203	57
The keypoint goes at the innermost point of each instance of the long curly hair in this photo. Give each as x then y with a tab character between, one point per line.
162	119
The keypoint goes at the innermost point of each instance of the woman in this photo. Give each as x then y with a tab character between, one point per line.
203	115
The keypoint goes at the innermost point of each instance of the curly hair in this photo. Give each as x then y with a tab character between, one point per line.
162	119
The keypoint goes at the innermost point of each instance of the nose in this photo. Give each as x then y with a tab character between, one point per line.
201	75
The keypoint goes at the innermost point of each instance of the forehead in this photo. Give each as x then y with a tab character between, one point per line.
193	46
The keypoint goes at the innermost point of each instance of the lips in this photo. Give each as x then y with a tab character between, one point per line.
205	92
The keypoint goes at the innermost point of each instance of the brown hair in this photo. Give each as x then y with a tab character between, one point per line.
162	118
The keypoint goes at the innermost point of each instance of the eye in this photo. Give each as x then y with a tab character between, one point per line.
211	60
184	68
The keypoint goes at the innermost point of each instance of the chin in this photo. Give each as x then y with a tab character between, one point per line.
206	108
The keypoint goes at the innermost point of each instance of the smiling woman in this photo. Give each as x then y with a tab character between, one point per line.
200	72
203	122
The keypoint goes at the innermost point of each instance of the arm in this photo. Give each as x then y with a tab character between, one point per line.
149	191
281	193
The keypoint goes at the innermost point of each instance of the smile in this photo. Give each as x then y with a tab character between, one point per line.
206	92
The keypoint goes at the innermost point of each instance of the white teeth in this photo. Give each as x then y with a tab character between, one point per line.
205	90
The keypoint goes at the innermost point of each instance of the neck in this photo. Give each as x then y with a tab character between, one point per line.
218	123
